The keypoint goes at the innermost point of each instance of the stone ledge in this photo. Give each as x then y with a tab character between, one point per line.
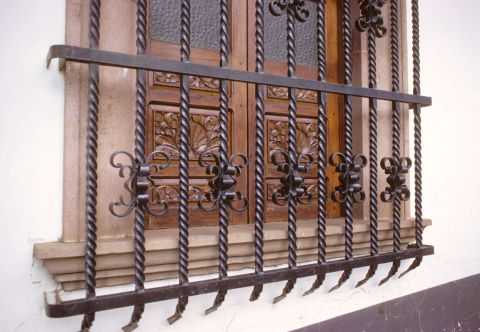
115	257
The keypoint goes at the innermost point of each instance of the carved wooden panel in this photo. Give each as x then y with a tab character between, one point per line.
278	92
171	192
169	189
311	184
204	133
276	213
273	187
307	141
307	136
196	82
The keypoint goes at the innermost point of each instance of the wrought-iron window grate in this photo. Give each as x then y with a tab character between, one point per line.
224	167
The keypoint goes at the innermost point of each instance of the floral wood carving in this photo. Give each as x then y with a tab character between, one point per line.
307	139
172	192
279	92
204	134
199	83
272	188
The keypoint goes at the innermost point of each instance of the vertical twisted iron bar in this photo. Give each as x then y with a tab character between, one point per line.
322	144
417	135
347	61
92	136
223	207
183	167
396	134
140	133
372	79
292	150
259	145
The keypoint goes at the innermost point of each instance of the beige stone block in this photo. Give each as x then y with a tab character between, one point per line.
166	239
128	279
115	257
232	261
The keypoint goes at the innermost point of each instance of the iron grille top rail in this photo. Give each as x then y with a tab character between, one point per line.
140	185
115	59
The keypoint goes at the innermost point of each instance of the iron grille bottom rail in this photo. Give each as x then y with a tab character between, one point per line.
114	301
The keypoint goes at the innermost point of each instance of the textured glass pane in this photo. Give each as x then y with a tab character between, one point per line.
205	22
305	38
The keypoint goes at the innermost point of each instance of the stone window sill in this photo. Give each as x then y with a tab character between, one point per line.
115	257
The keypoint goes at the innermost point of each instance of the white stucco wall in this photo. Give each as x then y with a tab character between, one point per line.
31	149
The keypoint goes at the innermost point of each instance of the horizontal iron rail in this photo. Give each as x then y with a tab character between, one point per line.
114	59
114	301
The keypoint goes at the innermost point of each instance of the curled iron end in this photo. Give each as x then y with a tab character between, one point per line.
278	7
370	274
348	177
345	276
372	18
238	197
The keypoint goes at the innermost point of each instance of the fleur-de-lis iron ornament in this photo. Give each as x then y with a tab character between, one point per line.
222	183
371	17
292	181
278	7
139	184
396	179
348	178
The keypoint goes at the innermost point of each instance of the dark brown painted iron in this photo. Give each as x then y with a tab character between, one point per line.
349	191
121	300
372	21
140	185
92	136
259	144
140	135
292	190
322	145
121	60
223	182
397	192
183	160
417	110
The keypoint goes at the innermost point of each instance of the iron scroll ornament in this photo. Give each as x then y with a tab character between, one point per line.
278	7
396	179
348	178
371	17
139	184
292	181
223	182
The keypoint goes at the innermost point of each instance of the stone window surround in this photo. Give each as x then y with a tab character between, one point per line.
117	90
